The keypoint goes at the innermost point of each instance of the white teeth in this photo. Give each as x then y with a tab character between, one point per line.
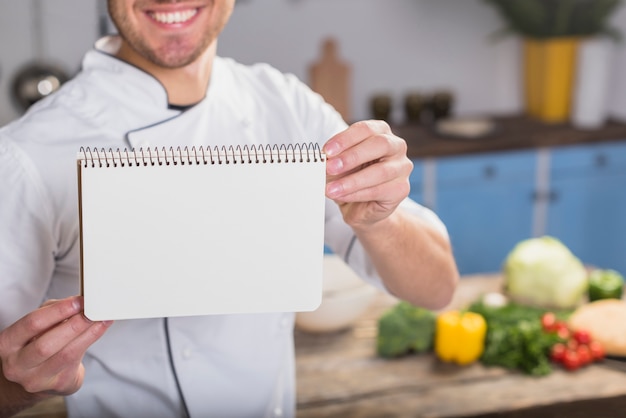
175	17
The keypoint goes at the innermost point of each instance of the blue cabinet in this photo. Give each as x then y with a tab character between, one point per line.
491	201
587	208
486	202
417	182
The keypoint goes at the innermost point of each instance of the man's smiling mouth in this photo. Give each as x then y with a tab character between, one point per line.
173	17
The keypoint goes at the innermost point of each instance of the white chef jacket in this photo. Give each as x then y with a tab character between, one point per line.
224	365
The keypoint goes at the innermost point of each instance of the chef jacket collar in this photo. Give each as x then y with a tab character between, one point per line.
162	125
145	87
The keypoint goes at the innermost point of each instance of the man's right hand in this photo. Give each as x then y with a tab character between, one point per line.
42	353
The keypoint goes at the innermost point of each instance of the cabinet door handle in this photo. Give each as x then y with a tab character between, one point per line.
489	172
601	160
537	196
550	196
553	196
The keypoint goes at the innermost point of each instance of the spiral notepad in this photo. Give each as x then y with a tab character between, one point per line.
201	230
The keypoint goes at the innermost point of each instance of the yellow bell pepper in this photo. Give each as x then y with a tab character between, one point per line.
460	336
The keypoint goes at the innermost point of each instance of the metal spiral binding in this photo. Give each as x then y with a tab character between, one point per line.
253	154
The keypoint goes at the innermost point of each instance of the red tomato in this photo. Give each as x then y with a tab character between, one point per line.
571	361
582	336
557	352
597	350
584	354
572	344
562	330
548	321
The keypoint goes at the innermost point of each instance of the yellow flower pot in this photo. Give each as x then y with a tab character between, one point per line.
549	72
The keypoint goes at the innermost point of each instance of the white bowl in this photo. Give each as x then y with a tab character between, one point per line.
345	298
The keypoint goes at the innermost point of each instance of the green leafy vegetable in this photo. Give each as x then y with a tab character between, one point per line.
516	339
405	328
544	272
605	284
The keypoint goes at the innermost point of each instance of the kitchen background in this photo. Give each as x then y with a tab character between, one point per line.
490	200
393	46
396	47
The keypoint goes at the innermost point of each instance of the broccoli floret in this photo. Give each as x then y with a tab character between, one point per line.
405	328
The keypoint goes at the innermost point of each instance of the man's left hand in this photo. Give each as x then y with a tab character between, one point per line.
367	172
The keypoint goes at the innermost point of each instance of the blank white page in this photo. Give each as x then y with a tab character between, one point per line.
195	238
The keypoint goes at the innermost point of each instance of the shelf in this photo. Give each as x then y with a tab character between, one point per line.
511	133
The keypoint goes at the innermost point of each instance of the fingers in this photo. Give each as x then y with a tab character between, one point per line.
59	370
367	162
387	184
74	335
43	350
354	135
37	322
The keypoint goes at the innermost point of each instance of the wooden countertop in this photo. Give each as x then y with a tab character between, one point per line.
339	375
511	133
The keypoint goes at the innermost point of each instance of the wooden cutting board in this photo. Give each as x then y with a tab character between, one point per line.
331	78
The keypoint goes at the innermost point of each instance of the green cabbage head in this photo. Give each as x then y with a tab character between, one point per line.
543	272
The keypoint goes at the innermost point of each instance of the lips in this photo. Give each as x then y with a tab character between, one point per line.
173	18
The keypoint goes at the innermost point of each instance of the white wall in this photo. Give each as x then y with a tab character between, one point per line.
392	45
68	28
617	104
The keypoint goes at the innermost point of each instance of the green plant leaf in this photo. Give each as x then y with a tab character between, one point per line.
558	18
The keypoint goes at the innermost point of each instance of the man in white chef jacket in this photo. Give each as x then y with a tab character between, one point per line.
160	80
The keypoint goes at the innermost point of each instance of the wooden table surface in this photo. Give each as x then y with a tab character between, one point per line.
339	375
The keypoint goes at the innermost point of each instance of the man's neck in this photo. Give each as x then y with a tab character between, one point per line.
186	85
